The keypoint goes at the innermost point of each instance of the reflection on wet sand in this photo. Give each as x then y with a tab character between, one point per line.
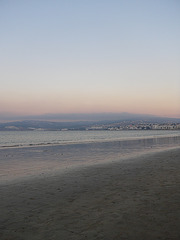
21	162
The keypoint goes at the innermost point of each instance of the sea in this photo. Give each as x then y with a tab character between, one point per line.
29	154
36	138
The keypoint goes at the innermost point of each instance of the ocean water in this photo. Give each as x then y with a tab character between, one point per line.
36	154
35	138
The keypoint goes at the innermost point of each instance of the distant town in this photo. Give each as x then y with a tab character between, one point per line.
136	126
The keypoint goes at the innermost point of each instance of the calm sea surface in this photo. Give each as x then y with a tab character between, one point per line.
33	138
36	154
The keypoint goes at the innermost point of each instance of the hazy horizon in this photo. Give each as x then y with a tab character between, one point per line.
89	57
78	117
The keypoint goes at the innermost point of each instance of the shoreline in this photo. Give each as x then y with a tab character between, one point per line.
137	198
17	164
64	143
41	174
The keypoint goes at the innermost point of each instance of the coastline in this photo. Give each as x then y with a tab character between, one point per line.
137	198
18	164
23	140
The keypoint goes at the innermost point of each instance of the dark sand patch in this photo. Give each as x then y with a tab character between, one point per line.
132	199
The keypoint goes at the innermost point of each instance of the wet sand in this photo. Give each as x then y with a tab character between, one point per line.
138	198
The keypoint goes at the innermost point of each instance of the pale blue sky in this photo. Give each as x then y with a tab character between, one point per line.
90	56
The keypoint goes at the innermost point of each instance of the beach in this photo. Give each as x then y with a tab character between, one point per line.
135	198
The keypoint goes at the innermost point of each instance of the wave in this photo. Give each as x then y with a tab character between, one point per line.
167	139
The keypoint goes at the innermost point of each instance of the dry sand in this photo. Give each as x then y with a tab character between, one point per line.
133	199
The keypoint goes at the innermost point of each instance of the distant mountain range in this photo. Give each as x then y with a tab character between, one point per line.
5	117
75	121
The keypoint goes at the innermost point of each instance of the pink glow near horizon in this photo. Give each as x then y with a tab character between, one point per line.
88	104
72	58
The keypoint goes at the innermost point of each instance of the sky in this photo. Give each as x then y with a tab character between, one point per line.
90	56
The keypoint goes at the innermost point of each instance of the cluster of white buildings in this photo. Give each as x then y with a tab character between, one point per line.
140	126
166	126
